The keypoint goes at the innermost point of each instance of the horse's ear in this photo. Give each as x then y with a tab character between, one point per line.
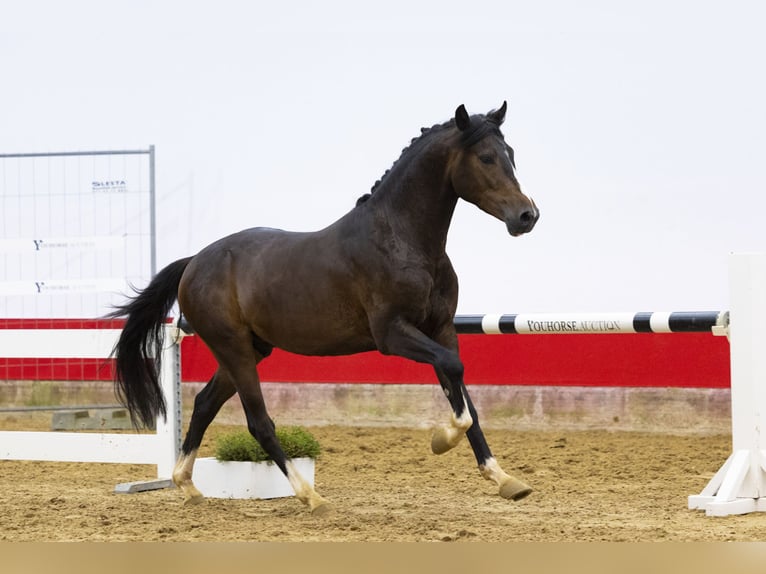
498	116
462	119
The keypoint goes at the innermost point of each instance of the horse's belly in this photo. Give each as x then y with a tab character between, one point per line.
312	322
320	342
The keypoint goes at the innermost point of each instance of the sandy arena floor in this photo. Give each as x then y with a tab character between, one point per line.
387	486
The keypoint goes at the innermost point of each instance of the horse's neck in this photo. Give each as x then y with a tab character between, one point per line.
419	202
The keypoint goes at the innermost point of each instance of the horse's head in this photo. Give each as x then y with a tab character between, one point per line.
482	171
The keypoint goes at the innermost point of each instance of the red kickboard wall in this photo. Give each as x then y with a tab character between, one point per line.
692	360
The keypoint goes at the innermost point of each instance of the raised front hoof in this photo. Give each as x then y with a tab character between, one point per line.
514	489
442	441
323	509
194	499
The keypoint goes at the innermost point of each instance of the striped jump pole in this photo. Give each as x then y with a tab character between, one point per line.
593	323
582	323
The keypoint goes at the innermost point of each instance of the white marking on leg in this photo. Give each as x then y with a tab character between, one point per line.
305	492
182	477
464	421
510	487
491	470
447	437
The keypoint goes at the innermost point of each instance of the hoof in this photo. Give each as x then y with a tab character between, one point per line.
514	489
194	500
440	441
324	509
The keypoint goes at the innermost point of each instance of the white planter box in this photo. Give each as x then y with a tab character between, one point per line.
229	479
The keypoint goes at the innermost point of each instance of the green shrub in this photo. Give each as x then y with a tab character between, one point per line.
297	442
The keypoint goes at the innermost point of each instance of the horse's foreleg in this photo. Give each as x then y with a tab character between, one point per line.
206	405
448	436
445	438
405	340
510	487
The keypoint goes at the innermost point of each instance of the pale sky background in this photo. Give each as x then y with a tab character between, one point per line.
639	127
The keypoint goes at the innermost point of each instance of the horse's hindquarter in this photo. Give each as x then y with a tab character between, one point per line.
297	291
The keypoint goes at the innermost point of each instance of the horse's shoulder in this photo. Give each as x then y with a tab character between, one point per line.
445	272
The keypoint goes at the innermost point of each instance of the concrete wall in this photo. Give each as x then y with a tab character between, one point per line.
668	410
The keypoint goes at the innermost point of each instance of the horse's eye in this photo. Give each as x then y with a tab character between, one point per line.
487	158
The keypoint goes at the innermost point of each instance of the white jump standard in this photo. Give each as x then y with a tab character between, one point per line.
739	487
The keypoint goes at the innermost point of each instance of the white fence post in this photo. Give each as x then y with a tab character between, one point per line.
739	486
169	430
158	448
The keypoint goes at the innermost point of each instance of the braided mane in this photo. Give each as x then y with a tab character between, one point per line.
481	126
424	133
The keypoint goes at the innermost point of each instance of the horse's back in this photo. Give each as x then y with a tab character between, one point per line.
294	290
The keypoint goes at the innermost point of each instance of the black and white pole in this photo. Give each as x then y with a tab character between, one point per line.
592	323
739	487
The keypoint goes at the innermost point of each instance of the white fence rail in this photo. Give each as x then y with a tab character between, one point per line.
160	447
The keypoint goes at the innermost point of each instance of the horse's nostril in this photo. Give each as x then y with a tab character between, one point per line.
527	217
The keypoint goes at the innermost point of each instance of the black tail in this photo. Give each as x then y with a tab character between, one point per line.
139	348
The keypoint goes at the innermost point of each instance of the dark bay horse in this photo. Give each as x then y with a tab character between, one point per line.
378	278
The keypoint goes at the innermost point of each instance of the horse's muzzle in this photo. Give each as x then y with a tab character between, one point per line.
522	221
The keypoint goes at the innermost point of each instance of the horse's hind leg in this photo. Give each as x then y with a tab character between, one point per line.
261	427
207	403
